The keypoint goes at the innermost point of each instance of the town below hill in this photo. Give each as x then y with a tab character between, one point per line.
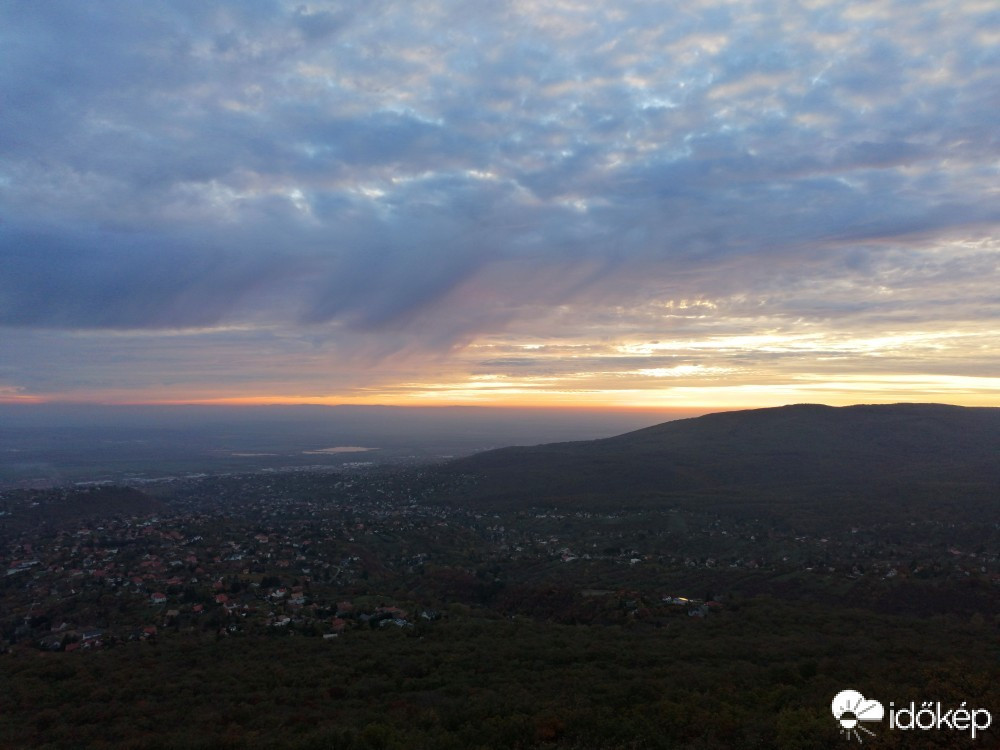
415	607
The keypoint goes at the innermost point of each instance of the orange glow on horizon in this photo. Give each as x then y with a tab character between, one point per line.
675	389
374	401
693	400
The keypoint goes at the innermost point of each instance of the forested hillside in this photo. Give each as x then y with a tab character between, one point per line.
807	465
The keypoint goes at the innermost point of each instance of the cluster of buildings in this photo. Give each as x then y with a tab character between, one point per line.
321	555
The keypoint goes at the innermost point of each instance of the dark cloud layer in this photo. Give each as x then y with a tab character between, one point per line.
390	180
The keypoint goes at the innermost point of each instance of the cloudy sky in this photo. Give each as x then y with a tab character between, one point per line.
703	203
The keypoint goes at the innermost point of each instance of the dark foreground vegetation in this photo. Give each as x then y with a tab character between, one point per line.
428	609
759	675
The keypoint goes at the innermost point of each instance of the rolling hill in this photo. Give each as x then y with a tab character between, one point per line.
807	464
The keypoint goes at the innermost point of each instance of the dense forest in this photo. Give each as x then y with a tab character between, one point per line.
760	675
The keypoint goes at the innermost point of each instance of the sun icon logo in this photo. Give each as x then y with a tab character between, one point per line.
850	709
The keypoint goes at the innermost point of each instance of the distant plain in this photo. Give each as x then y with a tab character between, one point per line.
52	444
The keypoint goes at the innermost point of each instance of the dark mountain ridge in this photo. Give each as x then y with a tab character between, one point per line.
796	460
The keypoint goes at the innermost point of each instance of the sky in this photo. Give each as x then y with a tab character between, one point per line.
587	204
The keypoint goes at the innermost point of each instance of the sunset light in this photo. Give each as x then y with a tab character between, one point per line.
545	204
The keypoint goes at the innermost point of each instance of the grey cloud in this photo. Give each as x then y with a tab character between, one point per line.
107	281
320	25
354	166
